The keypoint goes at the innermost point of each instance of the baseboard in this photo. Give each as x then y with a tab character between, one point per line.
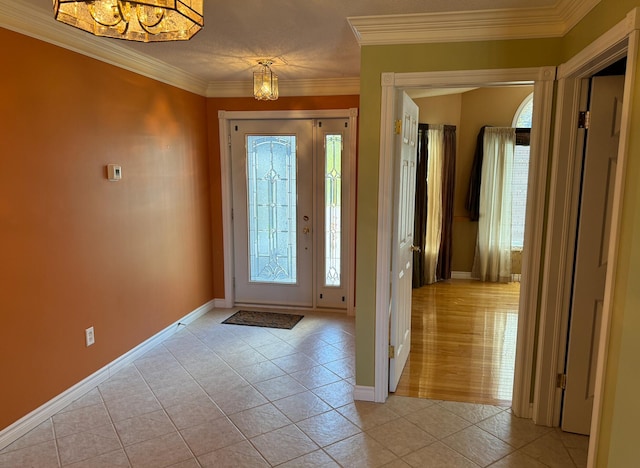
362	393
222	303
461	275
53	406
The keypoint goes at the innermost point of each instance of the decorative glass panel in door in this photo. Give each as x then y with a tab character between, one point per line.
273	211
333	209
333	169
271	195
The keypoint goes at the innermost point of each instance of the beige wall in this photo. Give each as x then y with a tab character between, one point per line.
469	111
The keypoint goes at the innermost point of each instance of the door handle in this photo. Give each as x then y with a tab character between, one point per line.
415	249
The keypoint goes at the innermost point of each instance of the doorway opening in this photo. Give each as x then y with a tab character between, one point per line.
464	332
599	138
542	80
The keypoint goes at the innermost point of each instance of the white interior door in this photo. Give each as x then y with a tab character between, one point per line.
590	266
402	244
273	216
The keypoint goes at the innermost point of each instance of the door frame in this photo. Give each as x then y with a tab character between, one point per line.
224	119
620	41
542	79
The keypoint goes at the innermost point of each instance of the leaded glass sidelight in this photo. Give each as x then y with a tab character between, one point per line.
271	195
333	209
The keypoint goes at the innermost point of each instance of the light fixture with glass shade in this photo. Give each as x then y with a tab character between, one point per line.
265	82
133	20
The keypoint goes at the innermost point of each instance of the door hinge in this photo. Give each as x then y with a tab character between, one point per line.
561	381
398	127
392	351
584	119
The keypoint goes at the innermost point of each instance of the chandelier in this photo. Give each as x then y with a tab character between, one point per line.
265	82
133	20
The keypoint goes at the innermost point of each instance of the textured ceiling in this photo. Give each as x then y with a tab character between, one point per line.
307	39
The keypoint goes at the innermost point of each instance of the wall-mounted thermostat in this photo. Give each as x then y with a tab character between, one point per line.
114	172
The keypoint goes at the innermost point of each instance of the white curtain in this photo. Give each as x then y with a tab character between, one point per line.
434	200
493	250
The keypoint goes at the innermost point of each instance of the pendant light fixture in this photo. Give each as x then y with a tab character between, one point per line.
133	20
265	82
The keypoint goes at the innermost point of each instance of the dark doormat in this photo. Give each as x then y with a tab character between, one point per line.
264	319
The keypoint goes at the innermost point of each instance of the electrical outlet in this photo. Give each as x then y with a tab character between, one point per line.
89	336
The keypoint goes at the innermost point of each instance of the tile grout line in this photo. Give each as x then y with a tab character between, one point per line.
55	441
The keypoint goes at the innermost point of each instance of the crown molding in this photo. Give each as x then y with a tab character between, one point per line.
316	87
499	24
394	29
18	17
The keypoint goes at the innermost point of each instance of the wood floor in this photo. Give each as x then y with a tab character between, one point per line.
463	342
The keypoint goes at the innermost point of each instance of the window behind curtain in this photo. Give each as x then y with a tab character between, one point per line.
522	119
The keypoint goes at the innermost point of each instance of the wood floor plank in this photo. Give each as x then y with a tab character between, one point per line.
463	342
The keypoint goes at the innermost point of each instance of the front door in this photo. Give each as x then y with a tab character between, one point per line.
592	249
291	211
272	173
404	191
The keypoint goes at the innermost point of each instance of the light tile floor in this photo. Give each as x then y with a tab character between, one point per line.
217	395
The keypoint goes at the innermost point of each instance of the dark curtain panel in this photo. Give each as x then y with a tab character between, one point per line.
443	270
473	194
420	217
523	137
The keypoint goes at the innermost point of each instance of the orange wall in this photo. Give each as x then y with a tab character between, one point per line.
76	250
249	104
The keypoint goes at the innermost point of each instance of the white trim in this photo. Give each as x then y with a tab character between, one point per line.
286	114
589	60
59	402
563	213
362	393
498	24
557	272
621	40
353	171
221	304
467	78
614	236
533	239
542	78
224	119
24	19
466	275
385	235
309	87
226	195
